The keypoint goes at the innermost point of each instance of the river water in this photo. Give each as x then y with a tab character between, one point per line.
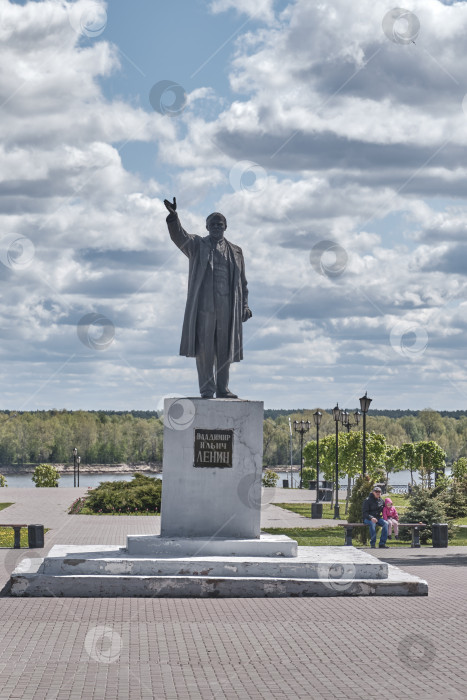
66	480
400	479
93	480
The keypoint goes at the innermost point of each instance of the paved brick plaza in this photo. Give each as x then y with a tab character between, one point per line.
230	648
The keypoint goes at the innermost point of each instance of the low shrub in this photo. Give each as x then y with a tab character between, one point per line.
141	494
46	476
425	507
308	474
3	481
270	478
459	468
454	500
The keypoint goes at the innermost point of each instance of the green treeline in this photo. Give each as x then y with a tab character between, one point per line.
101	437
448	432
112	437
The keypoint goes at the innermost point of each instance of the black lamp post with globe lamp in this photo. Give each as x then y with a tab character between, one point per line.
336	414
317	507
346	422
75	452
302	427
364	406
345	418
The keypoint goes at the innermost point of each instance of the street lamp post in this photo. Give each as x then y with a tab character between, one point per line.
346	422
364	406
337	415
317	508
75	452
78	462
349	425
291	455
302	427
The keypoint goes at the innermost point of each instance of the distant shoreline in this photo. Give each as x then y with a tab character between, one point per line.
113	468
86	468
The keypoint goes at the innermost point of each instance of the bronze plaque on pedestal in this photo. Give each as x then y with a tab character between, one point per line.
213	448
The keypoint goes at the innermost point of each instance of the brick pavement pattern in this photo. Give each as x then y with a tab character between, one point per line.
320	648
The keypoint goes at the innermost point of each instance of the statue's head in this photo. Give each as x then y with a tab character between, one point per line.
216	224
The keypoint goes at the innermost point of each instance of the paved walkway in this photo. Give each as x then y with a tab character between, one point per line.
112	649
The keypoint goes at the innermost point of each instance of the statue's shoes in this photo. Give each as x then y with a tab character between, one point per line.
207	396
226	395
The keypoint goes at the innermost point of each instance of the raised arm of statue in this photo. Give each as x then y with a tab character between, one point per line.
180	237
171	206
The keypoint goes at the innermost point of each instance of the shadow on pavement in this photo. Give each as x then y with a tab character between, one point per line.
5	591
426	560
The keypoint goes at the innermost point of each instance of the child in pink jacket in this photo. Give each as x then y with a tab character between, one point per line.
390	514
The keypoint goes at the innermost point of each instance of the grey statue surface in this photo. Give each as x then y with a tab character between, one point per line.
217	302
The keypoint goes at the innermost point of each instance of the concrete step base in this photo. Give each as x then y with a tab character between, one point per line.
398	583
90	571
310	563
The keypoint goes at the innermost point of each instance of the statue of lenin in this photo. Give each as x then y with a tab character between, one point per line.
217	302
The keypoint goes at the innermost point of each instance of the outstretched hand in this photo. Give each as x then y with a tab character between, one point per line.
246	314
171	206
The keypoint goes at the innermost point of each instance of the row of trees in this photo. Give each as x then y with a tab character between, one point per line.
112	438
427	426
425	457
100	438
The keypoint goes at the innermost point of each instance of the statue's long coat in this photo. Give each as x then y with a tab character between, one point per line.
197	249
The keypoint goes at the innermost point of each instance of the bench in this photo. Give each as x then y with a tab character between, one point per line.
415	527
35	535
17	531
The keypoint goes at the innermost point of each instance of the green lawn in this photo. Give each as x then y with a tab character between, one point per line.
305	509
328	512
334	536
7	536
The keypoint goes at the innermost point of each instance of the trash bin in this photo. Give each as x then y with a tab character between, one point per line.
440	535
35	536
285	483
316	510
325	495
312	485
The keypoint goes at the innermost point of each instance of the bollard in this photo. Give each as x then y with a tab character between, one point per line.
316	510
17	536
35	536
285	483
440	535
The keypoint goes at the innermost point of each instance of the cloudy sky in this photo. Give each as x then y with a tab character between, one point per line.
332	135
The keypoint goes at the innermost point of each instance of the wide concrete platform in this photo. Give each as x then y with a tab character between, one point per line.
100	571
310	562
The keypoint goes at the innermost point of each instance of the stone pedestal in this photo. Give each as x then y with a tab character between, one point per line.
108	571
210	544
222	500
